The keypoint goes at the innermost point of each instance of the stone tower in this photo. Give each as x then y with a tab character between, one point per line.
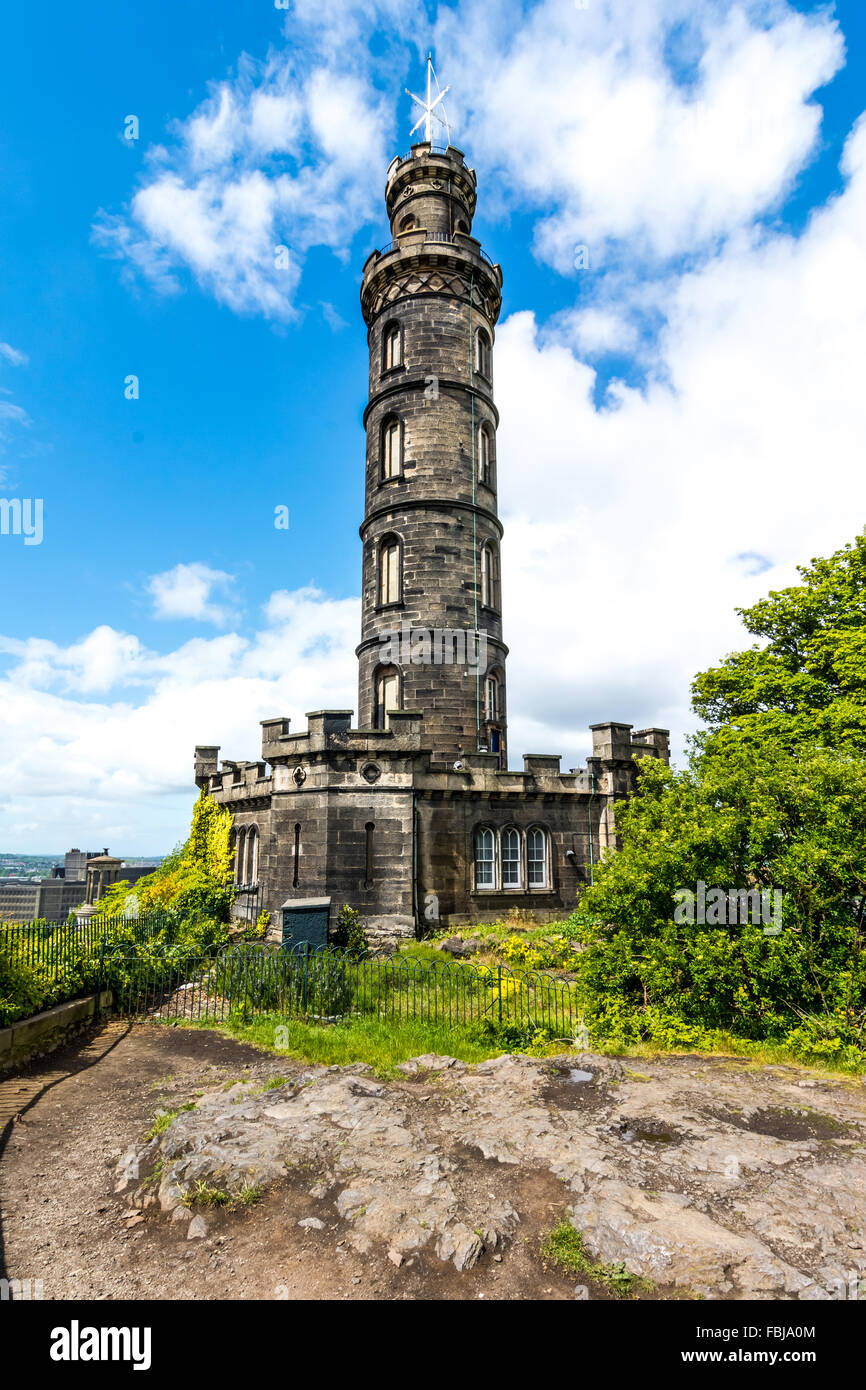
431	531
413	817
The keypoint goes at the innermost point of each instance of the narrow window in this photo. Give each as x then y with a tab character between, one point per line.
482	353
387	695
492	700
389	571
392	348
511	858
392	452
484	455
536	858
296	874
489	576
252	855
485	864
368	871
240	856
407	224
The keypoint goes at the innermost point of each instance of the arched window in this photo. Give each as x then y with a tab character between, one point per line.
251	857
462	227
390	578
484	455
392	448
482	352
536	857
491	697
240	856
392	347
407	224
387	694
489	575
511	876
485	858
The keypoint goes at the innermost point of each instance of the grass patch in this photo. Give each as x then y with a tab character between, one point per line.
164	1118
720	1044
382	1043
203	1195
564	1246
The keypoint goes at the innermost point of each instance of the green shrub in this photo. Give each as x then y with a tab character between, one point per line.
21	991
349	934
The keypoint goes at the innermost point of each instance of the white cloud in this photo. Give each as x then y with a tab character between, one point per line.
186	592
589	120
289	154
115	767
11	415
13	355
633	530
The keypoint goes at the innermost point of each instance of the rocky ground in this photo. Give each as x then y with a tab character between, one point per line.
710	1177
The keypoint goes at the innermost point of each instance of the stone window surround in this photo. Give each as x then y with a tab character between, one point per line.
486	475
400	364
388	420
247	845
490	589
523	887
483	355
381	671
387	541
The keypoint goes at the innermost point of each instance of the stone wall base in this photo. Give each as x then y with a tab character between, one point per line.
387	933
43	1033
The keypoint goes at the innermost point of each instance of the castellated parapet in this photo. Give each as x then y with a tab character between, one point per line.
322	800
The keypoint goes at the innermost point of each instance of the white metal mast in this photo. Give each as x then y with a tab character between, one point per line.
428	107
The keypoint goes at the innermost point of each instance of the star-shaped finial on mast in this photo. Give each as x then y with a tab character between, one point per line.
429	106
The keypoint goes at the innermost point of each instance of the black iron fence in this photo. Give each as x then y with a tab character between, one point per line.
50	946
328	985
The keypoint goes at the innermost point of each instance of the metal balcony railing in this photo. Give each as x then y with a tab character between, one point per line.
435	237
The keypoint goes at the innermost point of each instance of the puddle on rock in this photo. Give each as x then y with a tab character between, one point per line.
645	1131
572	1088
782	1122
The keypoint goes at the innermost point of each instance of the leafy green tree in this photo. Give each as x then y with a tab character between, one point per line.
806	681
774	799
196	879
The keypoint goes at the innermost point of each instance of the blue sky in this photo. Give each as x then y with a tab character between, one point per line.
162	607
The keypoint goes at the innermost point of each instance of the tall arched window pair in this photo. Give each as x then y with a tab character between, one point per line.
247	855
511	858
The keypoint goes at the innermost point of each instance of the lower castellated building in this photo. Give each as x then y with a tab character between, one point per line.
413	817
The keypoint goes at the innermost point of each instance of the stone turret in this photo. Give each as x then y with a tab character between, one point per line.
431	531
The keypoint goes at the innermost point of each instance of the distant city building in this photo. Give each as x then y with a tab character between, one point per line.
75	863
25	900
52	898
